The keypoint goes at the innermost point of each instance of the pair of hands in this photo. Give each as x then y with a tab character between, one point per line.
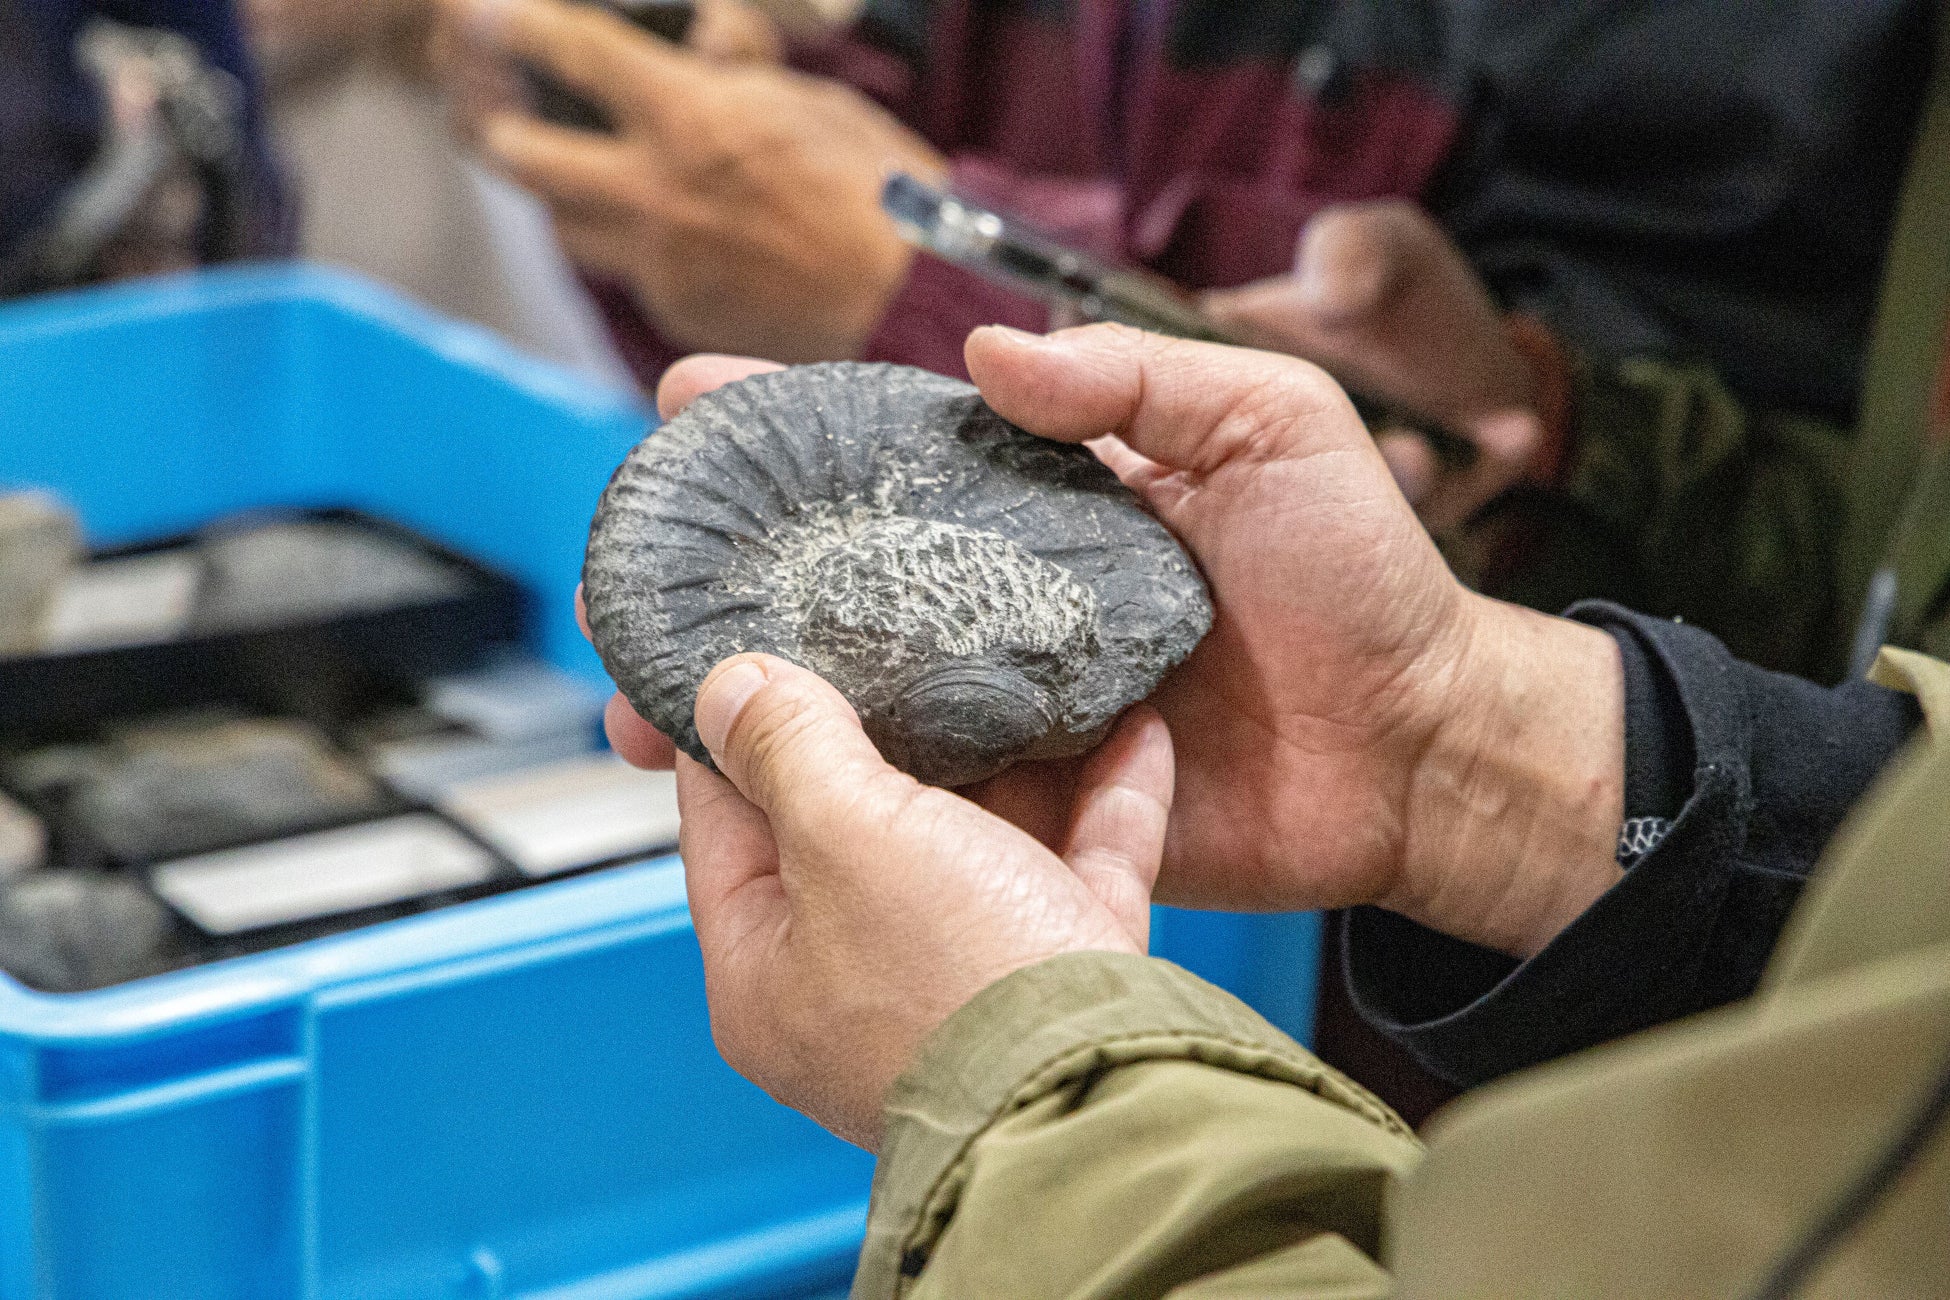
1357	728
741	201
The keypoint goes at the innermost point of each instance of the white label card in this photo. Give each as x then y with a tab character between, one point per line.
567	815
142	600
322	874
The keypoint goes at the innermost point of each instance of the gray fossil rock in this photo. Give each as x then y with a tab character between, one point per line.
980	595
288	570
66	931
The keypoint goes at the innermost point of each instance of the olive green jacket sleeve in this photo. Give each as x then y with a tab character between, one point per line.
1110	1126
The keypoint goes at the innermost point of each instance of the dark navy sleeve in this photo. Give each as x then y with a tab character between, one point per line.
1747	773
49	119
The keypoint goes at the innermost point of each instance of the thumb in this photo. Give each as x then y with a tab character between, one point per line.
785	738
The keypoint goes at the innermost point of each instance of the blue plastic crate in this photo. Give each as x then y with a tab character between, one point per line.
517	1097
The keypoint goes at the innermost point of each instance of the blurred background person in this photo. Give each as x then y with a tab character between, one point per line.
382	186
132	141
1695	181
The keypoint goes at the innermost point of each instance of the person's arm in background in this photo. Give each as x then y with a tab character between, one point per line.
1643	482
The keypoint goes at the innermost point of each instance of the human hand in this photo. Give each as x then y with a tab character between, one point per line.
1357	728
1387	302
845	910
732	32
741	201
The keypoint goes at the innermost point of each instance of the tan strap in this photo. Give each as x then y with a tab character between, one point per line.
1900	381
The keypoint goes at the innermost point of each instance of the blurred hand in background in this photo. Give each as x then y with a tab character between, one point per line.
739	199
1382	298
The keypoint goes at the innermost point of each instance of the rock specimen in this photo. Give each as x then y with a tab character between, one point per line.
40	541
66	931
168	789
980	595
291	570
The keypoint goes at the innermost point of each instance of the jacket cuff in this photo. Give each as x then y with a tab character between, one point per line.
1775	764
1631	960
1035	1032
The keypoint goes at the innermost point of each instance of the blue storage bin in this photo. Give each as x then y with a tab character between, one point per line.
517	1097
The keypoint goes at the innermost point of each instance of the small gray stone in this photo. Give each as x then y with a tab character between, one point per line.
40	541
310	569
66	931
170	789
980	595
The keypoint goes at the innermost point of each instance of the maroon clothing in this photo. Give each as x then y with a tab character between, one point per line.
1089	124
1698	180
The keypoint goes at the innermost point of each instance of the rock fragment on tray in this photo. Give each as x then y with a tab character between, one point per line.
170	789
68	931
980	595
23	840
310	568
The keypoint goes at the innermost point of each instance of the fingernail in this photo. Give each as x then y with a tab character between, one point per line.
723	698
1013	335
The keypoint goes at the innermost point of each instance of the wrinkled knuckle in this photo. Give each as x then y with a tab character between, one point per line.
1264	419
770	731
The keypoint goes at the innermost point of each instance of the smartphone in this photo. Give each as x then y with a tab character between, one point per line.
1006	251
668	19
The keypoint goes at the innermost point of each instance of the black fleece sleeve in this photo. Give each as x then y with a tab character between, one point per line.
1752	770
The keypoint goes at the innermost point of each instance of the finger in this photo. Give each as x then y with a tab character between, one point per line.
790	743
610	242
635	741
1136	472
1187	406
1505	442
1034	797
1355	258
731	865
697	375
577	169
1117	832
594	52
1268	313
731	32
1413	462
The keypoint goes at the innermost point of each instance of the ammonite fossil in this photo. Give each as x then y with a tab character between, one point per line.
980	595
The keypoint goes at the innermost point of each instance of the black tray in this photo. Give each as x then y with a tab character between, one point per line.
321	669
